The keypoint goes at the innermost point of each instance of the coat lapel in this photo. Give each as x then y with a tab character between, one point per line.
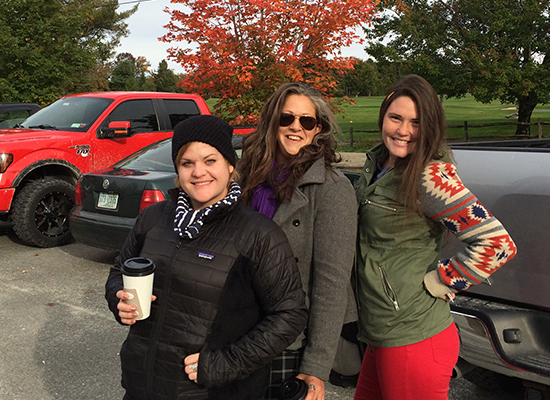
314	175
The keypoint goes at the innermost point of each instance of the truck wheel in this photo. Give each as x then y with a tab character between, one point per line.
40	213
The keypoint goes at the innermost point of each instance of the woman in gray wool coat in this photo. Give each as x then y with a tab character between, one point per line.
287	174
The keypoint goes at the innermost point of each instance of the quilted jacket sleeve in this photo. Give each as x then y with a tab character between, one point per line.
488	245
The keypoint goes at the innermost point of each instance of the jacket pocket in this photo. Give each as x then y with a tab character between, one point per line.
388	289
379	205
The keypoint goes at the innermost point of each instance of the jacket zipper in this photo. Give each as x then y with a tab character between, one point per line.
388	289
160	317
383	206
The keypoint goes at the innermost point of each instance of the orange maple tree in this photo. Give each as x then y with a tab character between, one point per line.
242	50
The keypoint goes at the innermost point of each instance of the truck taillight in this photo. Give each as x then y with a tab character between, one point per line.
150	197
78	195
5	160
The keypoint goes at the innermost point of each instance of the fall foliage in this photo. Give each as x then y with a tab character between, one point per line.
242	50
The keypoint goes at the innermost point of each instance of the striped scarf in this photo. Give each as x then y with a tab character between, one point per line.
188	221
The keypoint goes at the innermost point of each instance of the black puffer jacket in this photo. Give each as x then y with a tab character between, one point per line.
233	294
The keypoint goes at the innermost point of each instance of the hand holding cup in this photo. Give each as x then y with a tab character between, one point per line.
128	312
137	278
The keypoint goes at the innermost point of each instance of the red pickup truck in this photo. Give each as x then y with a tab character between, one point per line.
42	159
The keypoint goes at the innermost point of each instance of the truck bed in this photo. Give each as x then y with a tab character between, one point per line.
505	145
512	179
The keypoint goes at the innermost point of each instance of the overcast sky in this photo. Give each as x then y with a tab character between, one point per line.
146	26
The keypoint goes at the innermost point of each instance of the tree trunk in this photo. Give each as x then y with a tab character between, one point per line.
525	109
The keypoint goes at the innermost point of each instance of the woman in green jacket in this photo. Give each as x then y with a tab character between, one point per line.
409	195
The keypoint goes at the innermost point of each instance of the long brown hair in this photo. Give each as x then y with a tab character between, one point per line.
430	144
260	147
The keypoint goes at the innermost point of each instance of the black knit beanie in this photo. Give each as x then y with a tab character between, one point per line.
207	129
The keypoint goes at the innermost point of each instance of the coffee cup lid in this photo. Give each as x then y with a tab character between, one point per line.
138	266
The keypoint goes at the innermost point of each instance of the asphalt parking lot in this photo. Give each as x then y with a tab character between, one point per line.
58	339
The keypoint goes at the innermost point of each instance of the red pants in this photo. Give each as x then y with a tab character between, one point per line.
418	371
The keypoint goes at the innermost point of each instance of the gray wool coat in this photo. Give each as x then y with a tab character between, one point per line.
320	221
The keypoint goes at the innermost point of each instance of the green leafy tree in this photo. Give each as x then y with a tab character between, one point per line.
124	76
365	79
123	57
493	49
164	79
145	83
131	73
49	48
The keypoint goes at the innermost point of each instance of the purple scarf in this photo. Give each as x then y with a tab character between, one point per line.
263	198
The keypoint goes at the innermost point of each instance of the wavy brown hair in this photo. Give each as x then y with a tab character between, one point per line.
260	147
430	144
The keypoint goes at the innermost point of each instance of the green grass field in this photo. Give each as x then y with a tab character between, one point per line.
363	116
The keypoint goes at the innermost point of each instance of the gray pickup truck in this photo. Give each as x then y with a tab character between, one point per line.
505	325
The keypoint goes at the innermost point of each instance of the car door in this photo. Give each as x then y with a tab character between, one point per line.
147	125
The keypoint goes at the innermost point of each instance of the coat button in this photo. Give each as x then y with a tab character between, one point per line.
296	222
367	170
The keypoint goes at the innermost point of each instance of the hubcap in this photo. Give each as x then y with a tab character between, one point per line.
52	212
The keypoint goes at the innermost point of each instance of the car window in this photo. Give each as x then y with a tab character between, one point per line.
179	110
69	114
140	113
156	157
11	118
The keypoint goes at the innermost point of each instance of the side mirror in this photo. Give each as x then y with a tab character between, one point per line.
116	129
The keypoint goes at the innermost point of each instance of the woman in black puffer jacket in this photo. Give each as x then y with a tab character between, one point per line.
227	292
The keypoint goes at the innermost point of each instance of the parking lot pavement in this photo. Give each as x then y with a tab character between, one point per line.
58	340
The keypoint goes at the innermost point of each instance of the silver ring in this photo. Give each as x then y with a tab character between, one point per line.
312	386
193	367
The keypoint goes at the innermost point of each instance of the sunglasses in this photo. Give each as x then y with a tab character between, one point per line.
308	123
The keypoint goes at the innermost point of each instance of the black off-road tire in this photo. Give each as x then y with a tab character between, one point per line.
40	212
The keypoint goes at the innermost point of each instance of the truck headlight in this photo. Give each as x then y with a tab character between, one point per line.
5	161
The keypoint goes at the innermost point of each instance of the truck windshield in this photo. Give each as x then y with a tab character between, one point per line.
68	114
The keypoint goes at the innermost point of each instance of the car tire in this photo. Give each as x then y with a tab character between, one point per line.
41	210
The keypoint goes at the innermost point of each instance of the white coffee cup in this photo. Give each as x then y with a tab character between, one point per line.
137	278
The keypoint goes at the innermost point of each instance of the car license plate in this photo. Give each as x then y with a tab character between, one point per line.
108	201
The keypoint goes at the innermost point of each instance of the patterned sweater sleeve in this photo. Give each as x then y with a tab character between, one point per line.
445	199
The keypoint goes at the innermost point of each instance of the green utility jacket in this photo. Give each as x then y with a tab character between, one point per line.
396	248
